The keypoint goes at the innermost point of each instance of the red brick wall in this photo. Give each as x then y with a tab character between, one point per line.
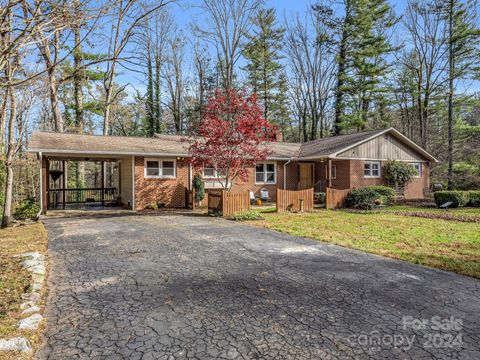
342	180
413	190
350	175
170	192
249	184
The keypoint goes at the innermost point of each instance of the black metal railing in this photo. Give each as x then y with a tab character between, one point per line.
60	197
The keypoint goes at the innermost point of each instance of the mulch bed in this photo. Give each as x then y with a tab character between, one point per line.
444	216
426	215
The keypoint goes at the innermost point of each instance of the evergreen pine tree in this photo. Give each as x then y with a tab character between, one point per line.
265	72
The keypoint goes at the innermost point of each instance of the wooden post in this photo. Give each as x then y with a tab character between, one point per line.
44	189
103	181
64	183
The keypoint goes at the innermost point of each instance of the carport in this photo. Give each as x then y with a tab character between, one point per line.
111	183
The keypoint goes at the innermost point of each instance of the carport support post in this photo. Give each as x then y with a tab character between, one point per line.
103	182
64	182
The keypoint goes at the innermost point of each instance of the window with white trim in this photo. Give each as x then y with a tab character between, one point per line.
160	169
418	168
371	169
333	172
209	172
265	173
212	173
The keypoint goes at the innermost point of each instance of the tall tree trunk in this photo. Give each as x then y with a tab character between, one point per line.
7	206
339	92
158	92
54	103
109	88
78	81
451	76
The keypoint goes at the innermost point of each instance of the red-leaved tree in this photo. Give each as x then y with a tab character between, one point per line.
232	136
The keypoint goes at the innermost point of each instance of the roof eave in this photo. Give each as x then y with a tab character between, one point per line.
113	153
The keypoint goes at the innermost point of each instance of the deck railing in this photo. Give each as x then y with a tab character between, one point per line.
60	197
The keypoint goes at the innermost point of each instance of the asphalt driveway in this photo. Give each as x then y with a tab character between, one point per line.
174	287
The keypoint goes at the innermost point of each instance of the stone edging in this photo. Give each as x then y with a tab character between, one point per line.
35	263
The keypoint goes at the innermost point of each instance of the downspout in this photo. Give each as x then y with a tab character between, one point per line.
41	187
285	173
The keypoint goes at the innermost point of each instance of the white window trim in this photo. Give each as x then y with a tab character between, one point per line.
215	174
160	166
420	172
379	169
264	182
331	176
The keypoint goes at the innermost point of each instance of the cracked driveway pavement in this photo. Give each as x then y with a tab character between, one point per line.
171	287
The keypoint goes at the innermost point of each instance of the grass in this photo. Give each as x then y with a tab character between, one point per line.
448	245
14	281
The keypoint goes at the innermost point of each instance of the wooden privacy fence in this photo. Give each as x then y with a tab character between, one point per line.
294	200
335	198
227	203
190	202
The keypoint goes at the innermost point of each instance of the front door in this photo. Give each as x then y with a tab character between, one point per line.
305	176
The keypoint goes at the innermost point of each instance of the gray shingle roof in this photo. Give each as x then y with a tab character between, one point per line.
52	142
161	144
327	146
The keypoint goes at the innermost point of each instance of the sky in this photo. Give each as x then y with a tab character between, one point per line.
187	11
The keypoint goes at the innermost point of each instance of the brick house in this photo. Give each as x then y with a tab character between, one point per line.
156	171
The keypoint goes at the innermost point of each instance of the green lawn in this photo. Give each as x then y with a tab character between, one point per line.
445	244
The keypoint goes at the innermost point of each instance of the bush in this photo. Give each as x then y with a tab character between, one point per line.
398	172
199	188
247	215
362	198
152	206
458	198
474	198
27	209
386	192
366	198
320	197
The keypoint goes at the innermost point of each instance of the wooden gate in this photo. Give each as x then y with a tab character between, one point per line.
226	203
335	198
294	200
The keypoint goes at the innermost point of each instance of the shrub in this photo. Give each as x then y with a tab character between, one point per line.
366	198
320	197
386	192
458	198
247	215
152	206
27	209
199	188
398	172
474	198
362	198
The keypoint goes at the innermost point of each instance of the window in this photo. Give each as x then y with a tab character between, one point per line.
209	172
371	169
265	173
333	172
418	168
159	168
